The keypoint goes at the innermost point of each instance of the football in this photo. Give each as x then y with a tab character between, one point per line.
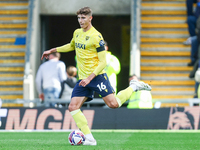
76	137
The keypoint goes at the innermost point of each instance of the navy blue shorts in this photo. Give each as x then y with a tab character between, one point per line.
99	84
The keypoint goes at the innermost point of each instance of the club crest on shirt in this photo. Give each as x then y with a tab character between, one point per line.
101	43
76	35
87	38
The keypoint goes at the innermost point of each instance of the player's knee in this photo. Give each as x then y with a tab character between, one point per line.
113	105
72	107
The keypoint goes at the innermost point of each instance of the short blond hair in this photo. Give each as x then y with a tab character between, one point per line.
71	71
56	54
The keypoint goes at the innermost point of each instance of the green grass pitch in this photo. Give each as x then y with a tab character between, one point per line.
106	140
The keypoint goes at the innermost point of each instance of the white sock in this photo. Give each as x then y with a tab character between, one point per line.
89	136
134	87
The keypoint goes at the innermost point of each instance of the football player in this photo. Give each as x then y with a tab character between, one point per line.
91	61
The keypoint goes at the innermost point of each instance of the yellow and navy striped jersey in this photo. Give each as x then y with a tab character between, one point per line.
87	45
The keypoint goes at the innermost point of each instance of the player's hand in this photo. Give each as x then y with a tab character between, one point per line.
84	82
45	54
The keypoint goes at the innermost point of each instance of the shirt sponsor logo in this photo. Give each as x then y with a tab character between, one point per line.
80	46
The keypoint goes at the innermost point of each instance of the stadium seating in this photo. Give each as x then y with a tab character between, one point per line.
13	24
164	58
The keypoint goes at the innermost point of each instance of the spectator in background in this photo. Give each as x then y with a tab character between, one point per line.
192	75
197	80
49	77
69	83
191	20
0	108
196	73
140	99
189	6
194	50
195	55
112	68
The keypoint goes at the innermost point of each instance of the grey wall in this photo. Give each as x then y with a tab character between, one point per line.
99	7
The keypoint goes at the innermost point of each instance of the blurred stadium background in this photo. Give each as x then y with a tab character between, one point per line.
146	35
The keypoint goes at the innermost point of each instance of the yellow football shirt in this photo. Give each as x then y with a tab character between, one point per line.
87	45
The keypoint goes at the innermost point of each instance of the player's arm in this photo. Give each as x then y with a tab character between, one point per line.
102	62
47	53
64	48
86	81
